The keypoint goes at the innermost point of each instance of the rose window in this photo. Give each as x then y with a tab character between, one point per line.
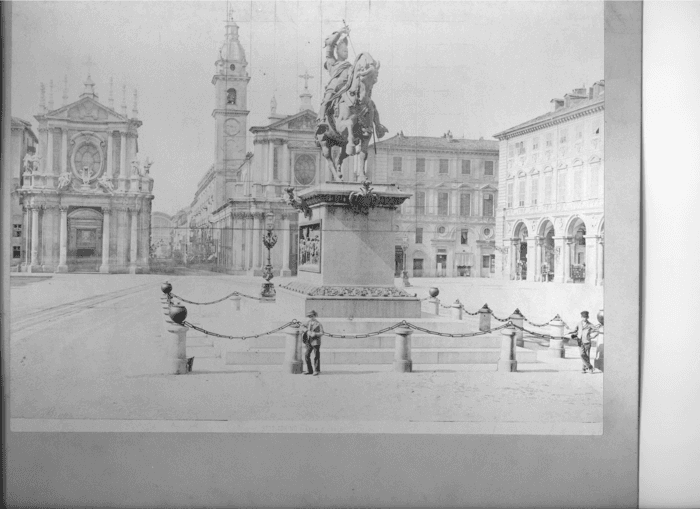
88	155
305	169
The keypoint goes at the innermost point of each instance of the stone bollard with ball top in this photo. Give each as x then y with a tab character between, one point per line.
434	301
507	362
402	350
485	318
176	339
236	301
517	319
457	310
556	344
292	351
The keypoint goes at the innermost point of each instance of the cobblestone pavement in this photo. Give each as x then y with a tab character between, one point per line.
82	347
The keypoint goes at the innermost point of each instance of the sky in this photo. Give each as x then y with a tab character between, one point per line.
474	68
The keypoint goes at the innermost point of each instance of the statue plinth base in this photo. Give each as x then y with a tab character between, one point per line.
346	259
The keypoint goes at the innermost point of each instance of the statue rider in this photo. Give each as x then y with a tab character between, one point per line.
340	71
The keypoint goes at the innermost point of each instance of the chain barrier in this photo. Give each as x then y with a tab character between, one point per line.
549	336
369	334
469	313
455	335
171	295
499	319
209	333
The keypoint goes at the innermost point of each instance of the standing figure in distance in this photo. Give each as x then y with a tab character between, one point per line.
311	337
582	333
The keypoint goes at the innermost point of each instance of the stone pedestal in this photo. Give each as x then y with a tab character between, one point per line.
347	254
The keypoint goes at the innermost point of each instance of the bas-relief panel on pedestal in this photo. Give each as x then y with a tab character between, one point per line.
309	258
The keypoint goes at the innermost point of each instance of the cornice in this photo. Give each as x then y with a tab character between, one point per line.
544	124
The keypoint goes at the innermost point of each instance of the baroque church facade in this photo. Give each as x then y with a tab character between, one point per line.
86	200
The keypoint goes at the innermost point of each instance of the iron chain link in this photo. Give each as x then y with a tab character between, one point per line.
215	334
171	295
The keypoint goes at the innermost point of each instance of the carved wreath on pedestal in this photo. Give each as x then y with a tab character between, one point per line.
364	199
297	203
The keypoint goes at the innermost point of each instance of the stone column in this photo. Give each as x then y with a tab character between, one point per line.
537	272
591	259
134	241
35	238
292	359
110	154
286	167
123	171
249	243
104	268
63	239
532	248
64	151
271	162
48	234
514	246
257	242
601	260
556	344
120	225
286	240
27	236
518	320
560	259
569	259
507	361
49	153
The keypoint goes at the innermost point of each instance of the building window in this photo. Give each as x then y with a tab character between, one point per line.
275	163
16	230
488	168
561	182
444	168
511	150
520	147
464	237
579	132
420	202
441	230
397	164
563	136
509	202
420	165
486	261
466	167
548	140
465	204
493	264
521	192
535	144
593	188
16	252
534	189
419	235
578	184
488	205
443	201
548	188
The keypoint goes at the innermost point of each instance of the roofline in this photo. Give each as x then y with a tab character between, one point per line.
555	119
270	127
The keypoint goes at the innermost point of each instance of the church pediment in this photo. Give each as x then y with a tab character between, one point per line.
86	109
302	121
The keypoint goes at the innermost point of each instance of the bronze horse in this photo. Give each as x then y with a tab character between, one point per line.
352	118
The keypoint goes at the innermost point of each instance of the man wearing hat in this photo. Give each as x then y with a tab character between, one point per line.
311	336
582	333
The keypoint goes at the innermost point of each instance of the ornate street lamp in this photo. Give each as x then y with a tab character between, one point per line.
269	240
404	274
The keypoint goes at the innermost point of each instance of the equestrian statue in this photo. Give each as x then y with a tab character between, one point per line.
348	117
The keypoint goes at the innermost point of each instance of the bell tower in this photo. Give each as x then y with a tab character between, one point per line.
231	95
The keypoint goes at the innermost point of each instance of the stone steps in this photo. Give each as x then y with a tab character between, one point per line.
384	341
267	356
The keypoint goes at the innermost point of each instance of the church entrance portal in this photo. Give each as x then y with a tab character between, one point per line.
84	240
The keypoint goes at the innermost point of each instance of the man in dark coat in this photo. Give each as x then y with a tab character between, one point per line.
312	331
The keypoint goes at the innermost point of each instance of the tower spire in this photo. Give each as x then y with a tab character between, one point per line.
135	111
51	95
305	96
124	100
65	89
42	98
